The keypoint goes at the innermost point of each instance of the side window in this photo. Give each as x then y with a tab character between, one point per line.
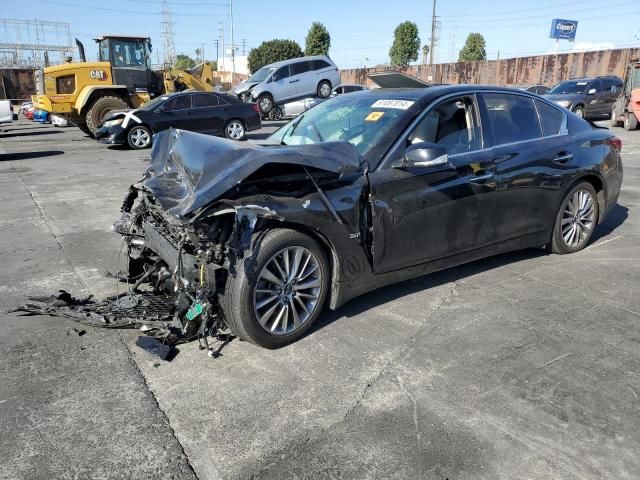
597	85
282	72
451	124
513	117
180	102
550	117
319	64
300	67
204	100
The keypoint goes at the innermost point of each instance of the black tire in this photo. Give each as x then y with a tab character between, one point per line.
275	114
100	108
85	129
558	243
234	129
615	122
139	137
324	89
579	111
238	303
265	103
630	121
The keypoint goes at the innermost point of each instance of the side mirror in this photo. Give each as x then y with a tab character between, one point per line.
423	155
591	91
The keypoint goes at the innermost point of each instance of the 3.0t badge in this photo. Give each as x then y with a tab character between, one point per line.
98	75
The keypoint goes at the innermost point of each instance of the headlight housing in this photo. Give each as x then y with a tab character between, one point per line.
564	103
113	123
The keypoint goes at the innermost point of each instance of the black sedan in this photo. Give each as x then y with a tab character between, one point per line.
362	191
204	112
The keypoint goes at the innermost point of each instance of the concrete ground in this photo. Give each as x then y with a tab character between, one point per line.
525	365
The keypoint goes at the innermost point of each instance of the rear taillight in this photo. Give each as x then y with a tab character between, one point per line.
255	107
615	142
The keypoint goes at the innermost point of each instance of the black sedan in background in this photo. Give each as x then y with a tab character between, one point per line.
204	112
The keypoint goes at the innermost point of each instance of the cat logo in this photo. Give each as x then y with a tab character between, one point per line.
98	75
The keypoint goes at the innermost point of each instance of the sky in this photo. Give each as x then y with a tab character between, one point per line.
361	31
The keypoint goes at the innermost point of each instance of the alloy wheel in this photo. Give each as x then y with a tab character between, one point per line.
140	137
265	104
578	218
287	290
325	90
235	130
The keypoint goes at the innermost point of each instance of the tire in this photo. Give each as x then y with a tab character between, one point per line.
242	304
563	240
615	122
235	130
85	129
579	111
324	89
139	137
100	108
275	114
265	103
630	121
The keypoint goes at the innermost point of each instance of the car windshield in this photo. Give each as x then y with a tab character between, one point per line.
154	103
359	120
261	75
569	87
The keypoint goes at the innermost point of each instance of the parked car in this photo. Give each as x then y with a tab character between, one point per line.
205	112
539	89
587	97
25	106
282	82
28	113
295	108
347	88
6	112
59	121
41	116
359	192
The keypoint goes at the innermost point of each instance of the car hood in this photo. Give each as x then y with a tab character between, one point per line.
556	97
188	170
243	87
116	113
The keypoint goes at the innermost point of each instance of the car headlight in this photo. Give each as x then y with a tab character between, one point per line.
564	103
112	123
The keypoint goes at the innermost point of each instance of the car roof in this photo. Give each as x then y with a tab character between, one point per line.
281	63
435	91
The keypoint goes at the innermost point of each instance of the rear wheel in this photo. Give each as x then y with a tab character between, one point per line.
100	108
630	121
278	290
139	137
235	130
576	219
324	89
275	114
579	111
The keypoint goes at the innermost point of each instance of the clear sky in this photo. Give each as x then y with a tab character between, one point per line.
361	31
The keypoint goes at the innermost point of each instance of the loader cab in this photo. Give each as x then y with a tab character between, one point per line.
130	59
632	78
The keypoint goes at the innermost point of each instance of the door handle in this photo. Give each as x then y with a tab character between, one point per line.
563	157
294	81
481	178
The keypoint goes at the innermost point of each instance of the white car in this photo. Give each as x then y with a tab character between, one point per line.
6	112
59	121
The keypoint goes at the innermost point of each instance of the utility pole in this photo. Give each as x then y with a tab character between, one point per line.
244	46
433	33
202	53
221	30
217	49
233	45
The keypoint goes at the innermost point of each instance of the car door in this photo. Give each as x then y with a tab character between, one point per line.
422	214
207	114
173	113
529	163
303	78
596	100
281	86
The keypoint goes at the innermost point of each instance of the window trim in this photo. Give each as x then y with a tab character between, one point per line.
563	125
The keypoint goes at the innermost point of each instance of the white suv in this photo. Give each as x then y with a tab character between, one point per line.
289	80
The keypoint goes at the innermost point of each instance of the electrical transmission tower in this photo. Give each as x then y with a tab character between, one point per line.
167	32
31	43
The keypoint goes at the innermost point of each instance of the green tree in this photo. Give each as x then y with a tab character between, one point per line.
318	40
184	62
474	49
406	44
272	51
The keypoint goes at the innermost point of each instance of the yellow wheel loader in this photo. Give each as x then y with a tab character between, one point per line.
84	93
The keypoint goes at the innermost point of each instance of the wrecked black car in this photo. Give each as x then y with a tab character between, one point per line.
359	192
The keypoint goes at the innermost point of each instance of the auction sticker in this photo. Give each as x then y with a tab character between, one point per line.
399	104
374	116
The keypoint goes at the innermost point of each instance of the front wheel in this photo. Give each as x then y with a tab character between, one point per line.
324	89
579	111
615	122
278	290
235	130
265	103
101	108
630	121
139	137
576	219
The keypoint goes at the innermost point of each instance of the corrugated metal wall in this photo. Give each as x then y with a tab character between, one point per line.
17	83
544	69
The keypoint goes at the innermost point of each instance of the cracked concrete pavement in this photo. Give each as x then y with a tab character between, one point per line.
524	365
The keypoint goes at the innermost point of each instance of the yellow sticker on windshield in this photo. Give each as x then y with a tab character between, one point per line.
374	116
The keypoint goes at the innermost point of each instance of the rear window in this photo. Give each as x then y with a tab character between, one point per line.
204	100
513	118
318	64
550	117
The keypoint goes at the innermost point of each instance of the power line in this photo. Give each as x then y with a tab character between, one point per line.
120	11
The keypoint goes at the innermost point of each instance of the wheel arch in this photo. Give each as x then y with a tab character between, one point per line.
598	184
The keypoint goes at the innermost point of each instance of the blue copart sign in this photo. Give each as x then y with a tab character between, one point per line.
563	29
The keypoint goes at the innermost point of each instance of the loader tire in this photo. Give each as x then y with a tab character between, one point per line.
100	108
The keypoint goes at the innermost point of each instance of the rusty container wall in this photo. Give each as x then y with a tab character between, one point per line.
19	83
543	69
